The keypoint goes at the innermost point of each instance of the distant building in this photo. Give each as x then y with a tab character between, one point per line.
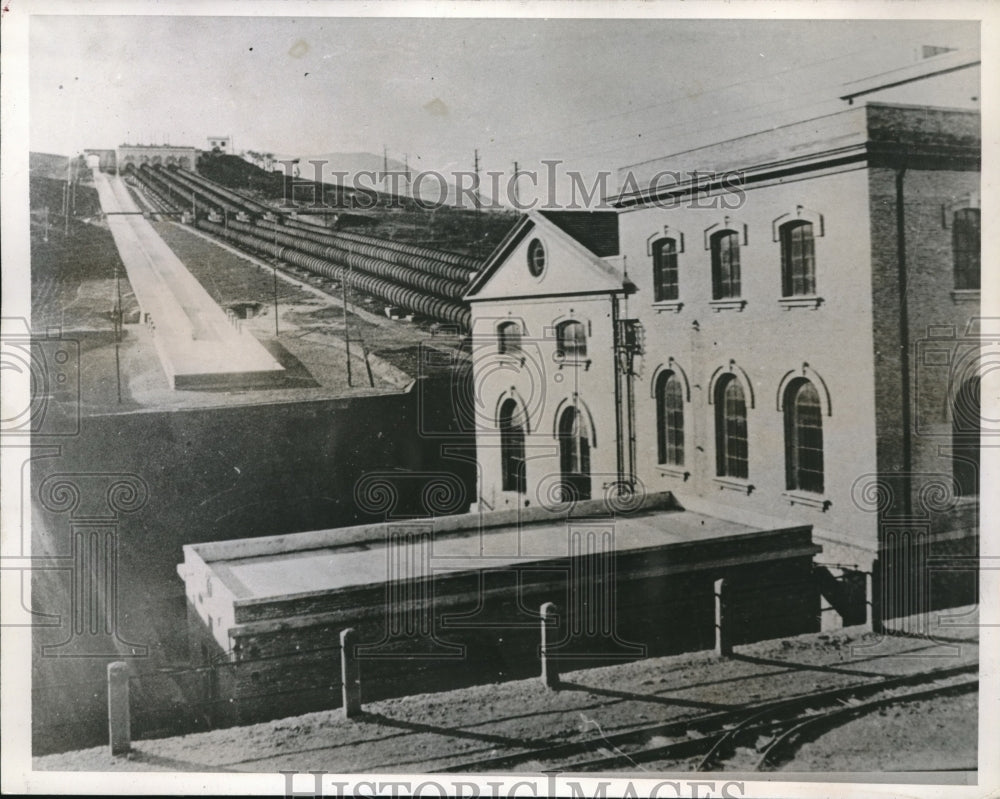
789	336
156	155
221	143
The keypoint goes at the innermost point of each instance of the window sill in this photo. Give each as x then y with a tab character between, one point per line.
673	471
810	302
805	498
965	295
673	306
727	305
735	484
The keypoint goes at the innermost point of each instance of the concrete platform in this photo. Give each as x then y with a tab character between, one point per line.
337	567
198	345
245	584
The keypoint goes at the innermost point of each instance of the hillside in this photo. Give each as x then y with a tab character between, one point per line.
445	228
47	165
351	163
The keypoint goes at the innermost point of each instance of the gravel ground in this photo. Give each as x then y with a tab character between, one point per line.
935	735
433	731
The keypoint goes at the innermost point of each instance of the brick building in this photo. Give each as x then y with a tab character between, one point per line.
778	329
716	405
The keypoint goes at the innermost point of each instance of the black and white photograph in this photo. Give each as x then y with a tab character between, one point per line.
499	399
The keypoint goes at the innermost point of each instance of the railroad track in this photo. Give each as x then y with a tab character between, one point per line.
755	738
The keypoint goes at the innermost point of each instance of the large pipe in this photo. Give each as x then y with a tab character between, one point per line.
251	206
381	248
182	190
466	262
367	262
206	195
153	195
403	296
145	174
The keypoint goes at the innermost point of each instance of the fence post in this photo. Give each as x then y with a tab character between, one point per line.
119	726
723	635
349	675
550	672
872	606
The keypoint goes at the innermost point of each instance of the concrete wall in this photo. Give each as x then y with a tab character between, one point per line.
212	474
286	660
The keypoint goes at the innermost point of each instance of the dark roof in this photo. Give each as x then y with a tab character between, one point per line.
595	230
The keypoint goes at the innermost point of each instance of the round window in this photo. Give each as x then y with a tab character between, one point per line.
536	257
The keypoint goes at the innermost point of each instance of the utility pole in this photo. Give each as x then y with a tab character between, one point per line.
385	165
345	277
517	199
118	330
275	281
69	167
479	209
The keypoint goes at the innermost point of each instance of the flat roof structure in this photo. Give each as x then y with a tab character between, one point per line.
238	582
198	345
854	135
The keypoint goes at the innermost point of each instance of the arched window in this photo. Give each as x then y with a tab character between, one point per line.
669	420
509	338
574	455
571	340
966	247
965	424
731	429
803	438
512	447
665	286
725	265
798	259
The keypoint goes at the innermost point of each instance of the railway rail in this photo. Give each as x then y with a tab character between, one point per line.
759	737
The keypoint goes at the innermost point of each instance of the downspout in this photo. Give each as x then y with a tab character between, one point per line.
615	354
904	340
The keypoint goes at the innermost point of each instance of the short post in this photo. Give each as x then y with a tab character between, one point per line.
550	672
119	726
723	642
873	613
349	675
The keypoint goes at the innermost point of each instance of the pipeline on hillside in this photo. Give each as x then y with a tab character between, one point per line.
467	262
152	196
404	296
185	192
206	195
149	178
250	206
366	262
378	248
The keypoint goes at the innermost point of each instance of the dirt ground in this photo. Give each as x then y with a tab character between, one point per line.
433	731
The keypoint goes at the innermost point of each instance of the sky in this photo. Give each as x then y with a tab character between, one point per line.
598	94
